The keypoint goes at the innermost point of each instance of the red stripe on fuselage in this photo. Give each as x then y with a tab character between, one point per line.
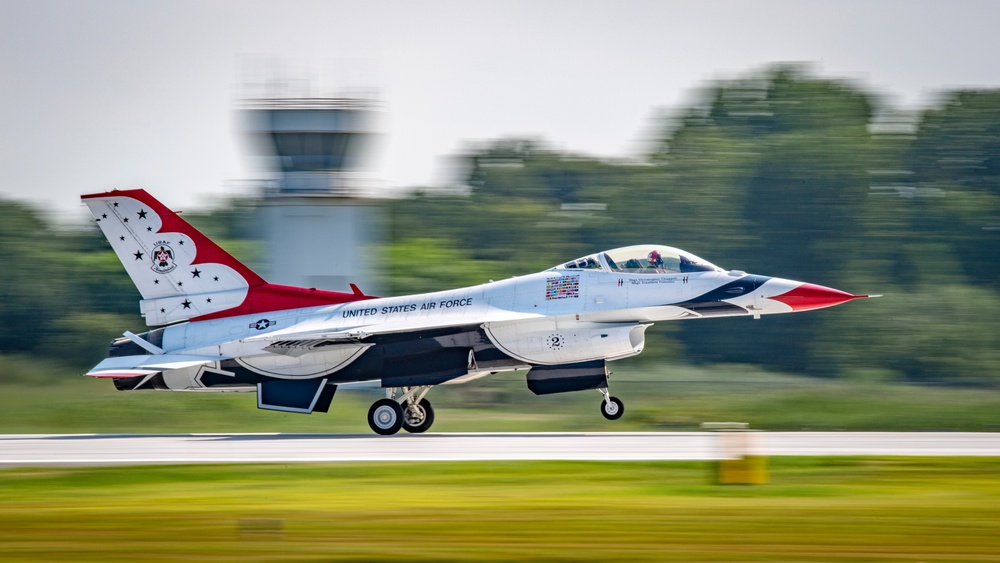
271	297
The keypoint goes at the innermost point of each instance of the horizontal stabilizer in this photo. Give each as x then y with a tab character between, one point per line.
131	366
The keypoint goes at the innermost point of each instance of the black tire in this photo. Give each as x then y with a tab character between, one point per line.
428	419
385	417
612	411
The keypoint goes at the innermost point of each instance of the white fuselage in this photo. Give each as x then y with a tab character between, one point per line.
551	317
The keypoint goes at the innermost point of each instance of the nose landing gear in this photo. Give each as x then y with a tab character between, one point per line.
611	407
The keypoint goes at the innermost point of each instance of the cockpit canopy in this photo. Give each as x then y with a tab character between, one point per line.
642	259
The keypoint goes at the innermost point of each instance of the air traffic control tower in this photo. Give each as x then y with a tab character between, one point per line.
319	219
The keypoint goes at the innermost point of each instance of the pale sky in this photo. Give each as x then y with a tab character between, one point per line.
96	95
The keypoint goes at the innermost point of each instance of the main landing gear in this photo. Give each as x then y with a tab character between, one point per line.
611	407
411	412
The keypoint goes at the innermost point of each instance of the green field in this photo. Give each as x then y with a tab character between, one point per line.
828	509
814	509
40	397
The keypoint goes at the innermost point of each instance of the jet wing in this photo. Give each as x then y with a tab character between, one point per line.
306	336
131	366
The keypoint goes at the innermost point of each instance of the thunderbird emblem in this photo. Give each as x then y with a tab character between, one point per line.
163	258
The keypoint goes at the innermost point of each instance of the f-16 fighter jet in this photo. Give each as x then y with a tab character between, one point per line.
221	327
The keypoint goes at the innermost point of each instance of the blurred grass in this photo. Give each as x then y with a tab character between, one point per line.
41	396
815	509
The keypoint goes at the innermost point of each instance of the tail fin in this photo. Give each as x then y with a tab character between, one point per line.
180	273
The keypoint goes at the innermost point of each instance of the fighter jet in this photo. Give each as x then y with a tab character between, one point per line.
221	327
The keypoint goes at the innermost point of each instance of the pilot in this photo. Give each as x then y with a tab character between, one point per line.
655	260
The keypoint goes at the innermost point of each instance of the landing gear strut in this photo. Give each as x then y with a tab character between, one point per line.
411	411
611	407
418	417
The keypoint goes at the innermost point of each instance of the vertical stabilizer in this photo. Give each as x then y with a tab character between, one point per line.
179	271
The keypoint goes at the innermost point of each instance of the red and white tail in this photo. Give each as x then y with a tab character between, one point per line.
180	273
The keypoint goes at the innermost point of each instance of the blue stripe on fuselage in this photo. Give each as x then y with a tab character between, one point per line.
731	290
711	303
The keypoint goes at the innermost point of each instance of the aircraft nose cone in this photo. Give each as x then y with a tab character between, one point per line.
809	296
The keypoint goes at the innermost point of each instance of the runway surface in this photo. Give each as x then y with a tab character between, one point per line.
93	449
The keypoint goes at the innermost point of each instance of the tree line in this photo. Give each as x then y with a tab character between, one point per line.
780	173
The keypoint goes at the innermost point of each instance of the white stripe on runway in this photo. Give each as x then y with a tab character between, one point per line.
96	449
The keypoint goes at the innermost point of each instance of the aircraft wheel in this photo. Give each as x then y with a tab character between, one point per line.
419	417
613	410
385	417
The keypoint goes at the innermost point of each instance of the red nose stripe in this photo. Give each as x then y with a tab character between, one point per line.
809	296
